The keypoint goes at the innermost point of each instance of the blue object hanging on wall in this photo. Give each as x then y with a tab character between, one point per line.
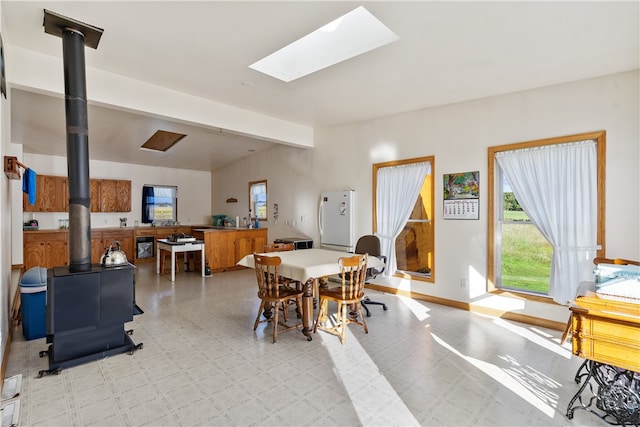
29	185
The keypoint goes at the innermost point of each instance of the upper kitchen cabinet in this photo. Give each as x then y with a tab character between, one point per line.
51	195
107	195
115	195
95	195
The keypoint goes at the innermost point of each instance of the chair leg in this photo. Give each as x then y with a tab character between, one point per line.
343	321
275	324
255	325
364	322
321	309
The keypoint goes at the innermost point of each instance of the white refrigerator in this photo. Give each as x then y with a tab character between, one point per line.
336	220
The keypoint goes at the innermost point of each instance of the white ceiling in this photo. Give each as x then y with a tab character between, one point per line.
447	52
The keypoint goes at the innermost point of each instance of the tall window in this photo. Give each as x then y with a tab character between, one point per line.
525	254
546	214
258	199
159	203
403	216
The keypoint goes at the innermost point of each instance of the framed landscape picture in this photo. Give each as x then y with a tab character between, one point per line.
461	195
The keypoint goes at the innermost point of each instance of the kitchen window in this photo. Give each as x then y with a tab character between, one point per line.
258	199
403	199
159	203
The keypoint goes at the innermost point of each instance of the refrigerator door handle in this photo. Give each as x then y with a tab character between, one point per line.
320	218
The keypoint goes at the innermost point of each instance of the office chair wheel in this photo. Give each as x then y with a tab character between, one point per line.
309	338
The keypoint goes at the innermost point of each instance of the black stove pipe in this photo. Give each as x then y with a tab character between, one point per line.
77	150
75	35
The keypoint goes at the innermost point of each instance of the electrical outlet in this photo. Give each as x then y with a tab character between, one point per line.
464	283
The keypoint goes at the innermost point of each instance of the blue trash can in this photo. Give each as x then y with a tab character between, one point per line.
33	303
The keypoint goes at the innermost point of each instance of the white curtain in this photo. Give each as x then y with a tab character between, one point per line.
557	188
397	190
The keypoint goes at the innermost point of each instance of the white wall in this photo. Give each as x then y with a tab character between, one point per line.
458	136
6	288
194	193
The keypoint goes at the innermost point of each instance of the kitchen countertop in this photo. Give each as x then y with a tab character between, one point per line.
66	230
211	228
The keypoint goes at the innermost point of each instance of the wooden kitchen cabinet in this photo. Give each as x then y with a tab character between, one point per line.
51	248
97	246
126	239
94	186
107	195
115	195
245	245
45	249
164	232
223	248
51	195
123	196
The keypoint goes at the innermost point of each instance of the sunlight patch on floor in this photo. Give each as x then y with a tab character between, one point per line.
534	337
419	310
501	303
374	399
528	384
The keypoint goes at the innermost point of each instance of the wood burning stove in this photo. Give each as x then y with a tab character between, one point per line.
86	312
87	304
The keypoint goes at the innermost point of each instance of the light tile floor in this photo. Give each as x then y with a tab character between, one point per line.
202	364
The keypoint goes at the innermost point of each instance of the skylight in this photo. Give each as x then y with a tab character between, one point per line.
351	35
162	140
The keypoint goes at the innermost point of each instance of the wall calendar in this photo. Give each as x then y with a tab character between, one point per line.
461	195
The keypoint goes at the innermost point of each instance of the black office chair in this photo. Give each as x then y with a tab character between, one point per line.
370	244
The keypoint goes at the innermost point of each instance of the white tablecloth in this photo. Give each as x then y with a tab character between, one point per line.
305	264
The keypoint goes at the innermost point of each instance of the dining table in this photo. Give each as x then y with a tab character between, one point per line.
307	266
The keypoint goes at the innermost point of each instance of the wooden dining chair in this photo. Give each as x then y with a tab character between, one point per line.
348	296
273	295
280	247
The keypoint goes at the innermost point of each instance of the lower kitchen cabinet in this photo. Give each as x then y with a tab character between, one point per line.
97	246
164	232
126	239
223	248
51	248
45	249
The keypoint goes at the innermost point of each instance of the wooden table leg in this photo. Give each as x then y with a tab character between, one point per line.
173	265
307	308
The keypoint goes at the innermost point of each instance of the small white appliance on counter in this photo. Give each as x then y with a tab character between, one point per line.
336	220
